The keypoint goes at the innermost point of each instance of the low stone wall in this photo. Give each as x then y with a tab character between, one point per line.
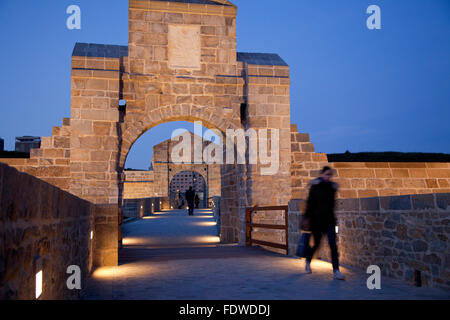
138	208
380	179
41	228
400	234
296	209
214	204
139	185
364	179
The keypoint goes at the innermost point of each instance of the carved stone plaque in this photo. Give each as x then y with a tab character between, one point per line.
184	47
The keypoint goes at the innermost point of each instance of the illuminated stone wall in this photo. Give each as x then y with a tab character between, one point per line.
364	179
42	228
400	234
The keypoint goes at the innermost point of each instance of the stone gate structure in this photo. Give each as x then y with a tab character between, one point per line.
181	63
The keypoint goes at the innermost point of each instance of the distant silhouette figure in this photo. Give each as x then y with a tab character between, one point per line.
197	201
190	198
180	200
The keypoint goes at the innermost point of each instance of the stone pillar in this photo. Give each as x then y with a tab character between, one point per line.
95	141
268	108
106	235
95	138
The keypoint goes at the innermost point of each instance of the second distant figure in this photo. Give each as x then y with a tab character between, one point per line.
197	201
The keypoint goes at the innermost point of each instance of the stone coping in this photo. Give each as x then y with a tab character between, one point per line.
183	7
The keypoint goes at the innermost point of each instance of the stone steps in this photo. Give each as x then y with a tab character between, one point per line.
305	162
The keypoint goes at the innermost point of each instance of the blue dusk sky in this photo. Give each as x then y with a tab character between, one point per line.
352	88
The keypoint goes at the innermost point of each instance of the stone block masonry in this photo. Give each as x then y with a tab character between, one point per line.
400	234
40	221
51	162
364	179
372	179
139	185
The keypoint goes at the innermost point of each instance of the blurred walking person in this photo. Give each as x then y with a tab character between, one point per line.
320	218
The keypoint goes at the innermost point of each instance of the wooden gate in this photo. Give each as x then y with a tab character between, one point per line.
250	225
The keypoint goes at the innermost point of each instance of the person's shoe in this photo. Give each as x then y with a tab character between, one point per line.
308	267
338	275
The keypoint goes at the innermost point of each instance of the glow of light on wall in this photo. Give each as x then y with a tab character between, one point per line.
39	277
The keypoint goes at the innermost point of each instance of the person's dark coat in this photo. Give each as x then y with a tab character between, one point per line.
190	196
320	205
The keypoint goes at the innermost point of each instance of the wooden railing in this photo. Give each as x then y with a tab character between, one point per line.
250	225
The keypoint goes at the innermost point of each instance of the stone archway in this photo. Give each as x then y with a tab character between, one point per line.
134	126
211	83
181	63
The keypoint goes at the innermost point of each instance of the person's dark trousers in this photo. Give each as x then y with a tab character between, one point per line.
331	235
191	208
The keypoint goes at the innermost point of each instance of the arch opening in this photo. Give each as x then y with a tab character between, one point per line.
180	184
149	173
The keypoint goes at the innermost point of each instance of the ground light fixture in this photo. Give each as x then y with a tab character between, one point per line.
38	286
337	229
92	235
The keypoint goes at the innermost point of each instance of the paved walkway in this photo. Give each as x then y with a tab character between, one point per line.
172	256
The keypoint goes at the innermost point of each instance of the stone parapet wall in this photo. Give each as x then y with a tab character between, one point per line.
41	227
139	176
400	234
138	208
138	190
139	185
50	162
305	163
214	204
372	179
364	179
